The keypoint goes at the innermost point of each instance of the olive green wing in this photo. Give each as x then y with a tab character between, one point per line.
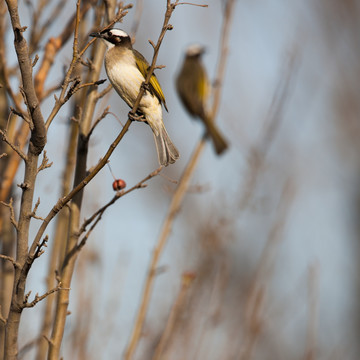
155	87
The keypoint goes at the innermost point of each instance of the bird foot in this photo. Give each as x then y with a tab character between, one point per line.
136	117
146	86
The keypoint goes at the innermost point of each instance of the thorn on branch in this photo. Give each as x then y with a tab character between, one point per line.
12	213
45	163
169	27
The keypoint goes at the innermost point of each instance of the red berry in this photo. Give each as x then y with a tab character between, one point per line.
119	184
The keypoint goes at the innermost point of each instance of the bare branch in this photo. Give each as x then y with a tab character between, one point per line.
75	58
13	146
97	121
139	185
12	213
38	133
160	67
54	45
104	92
121	13
42	297
33	213
35	61
45	163
3	155
18	113
39	250
137	18
98	214
11	259
186	3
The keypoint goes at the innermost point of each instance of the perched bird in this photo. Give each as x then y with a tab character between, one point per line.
193	88
127	69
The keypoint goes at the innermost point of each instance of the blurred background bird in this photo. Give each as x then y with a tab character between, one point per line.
127	69
193	87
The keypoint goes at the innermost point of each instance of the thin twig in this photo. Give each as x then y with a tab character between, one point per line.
97	121
137	18
13	146
75	58
187	3
104	92
178	306
141	184
12	213
121	13
45	163
33	213
42	297
11	259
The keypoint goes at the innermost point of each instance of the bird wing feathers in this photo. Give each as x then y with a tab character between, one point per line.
155	87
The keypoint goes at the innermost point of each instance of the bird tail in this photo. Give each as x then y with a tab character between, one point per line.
217	138
166	150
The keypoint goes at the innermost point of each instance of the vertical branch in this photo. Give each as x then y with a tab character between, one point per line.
66	273
313	289
35	147
180	192
58	246
178	307
7	240
67	269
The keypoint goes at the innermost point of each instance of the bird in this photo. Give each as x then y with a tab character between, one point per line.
127	69
193	88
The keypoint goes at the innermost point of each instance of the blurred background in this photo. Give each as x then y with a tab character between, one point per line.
268	234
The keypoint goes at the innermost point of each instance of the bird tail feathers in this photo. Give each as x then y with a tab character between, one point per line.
166	150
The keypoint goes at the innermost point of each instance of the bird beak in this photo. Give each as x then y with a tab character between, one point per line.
95	34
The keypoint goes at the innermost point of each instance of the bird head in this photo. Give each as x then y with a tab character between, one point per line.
113	37
194	50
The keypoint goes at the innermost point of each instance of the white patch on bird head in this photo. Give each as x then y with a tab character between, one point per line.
194	50
114	37
118	32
